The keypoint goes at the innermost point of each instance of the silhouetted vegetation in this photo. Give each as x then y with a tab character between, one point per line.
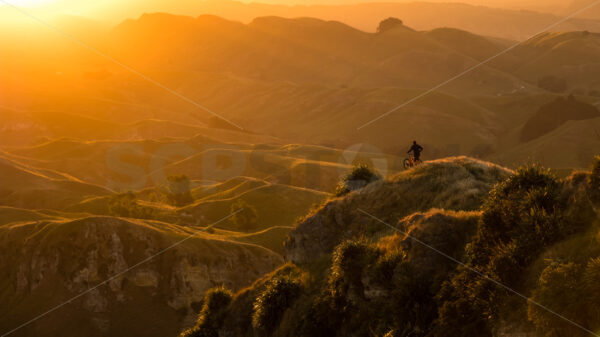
360	176
524	215
126	205
245	216
395	284
388	24
594	181
554	114
212	314
270	305
179	190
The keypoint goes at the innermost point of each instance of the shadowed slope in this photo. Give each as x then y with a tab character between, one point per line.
50	262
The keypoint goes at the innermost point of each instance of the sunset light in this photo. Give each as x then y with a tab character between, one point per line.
26	3
299	168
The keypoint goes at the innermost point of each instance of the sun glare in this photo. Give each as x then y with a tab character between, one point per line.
28	3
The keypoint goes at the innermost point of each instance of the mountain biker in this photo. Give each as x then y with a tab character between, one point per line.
416	149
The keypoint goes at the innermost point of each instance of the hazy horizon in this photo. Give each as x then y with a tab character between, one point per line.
319	169
112	12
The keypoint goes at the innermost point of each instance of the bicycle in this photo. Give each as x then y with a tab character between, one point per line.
411	162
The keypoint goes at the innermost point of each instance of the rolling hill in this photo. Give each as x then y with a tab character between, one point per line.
484	18
87	148
27	187
307	81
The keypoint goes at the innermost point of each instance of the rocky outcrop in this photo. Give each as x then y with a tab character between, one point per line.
127	270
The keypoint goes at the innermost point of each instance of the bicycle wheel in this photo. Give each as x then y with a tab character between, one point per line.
407	164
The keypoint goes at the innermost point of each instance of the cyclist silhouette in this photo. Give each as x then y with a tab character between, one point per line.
416	149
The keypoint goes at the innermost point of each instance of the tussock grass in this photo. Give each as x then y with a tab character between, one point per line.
459	184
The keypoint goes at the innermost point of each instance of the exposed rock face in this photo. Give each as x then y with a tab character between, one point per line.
139	278
453	184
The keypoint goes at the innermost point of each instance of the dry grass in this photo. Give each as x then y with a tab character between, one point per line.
459	184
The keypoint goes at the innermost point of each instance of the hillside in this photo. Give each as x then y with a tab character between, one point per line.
484	18
553	115
255	165
300	80
52	260
27	187
383	260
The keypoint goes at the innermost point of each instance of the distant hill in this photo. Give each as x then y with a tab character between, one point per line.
30	188
480	18
309	81
552	115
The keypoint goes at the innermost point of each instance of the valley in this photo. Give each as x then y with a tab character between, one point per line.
241	172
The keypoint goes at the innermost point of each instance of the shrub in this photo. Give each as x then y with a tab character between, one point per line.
333	309
126	205
212	314
245	216
523	215
359	177
592	287
559	290
594	181
179	190
571	290
388	24
270	305
393	333
382	270
324	316
348	261
525	210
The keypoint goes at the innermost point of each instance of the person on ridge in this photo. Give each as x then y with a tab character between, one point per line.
416	149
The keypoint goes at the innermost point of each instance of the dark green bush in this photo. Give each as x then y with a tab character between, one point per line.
126	205
594	181
179	190
245	216
272	302
592	288
389	24
523	215
382	270
359	177
560	291
348	261
340	305
324	316
525	210
212	314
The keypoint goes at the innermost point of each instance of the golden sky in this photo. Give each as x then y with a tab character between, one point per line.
117	10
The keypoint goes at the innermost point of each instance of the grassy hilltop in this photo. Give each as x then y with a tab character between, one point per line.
350	274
